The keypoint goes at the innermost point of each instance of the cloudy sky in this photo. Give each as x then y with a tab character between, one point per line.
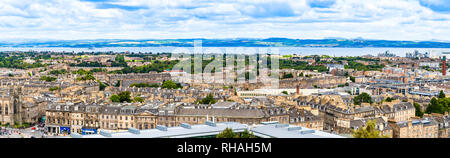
167	19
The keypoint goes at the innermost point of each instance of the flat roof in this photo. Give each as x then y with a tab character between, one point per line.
267	130
289	131
175	132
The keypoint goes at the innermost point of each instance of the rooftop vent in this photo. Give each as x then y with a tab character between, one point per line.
281	125
294	128
307	132
269	123
210	123
161	127
104	133
185	125
76	135
134	130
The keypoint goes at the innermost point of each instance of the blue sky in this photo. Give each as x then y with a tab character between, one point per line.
168	19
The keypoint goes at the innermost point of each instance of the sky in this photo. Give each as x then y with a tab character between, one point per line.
415	20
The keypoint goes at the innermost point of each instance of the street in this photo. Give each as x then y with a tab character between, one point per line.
22	133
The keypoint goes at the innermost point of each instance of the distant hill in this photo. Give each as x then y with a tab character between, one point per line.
237	42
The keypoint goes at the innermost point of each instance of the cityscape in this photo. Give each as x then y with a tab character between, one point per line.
216	69
106	94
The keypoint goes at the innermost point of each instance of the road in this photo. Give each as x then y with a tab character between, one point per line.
20	133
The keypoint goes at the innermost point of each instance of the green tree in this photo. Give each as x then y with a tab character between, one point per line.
369	131
362	98
138	99
389	99
169	84
115	98
140	85
58	72
208	100
125	96
440	105
419	111
441	94
81	72
86	77
227	133
54	88
47	78
101	85
121	97
117	84
288	76
352	78
247	134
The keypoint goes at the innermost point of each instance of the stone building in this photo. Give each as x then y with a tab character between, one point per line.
128	79
11	106
305	118
415	128
400	111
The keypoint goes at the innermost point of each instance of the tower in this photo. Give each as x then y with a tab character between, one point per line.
16	102
444	70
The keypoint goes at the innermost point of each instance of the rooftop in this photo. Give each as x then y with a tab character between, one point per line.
265	130
276	130
184	131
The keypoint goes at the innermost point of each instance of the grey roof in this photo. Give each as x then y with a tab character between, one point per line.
398	107
224	105
364	109
269	130
296	115
427	121
243	113
354	124
111	110
173	132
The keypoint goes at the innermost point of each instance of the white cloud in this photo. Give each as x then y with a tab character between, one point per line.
131	19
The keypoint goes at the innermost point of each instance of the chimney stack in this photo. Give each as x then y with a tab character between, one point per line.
444	70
